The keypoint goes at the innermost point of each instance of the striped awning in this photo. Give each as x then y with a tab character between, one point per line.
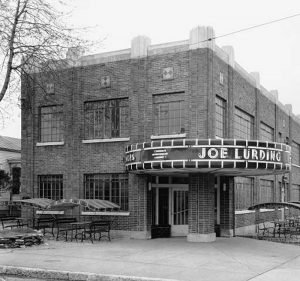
91	204
273	205
40	203
63	204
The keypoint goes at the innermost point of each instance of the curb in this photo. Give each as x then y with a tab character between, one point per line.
67	275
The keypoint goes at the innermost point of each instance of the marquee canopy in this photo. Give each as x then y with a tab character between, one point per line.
229	157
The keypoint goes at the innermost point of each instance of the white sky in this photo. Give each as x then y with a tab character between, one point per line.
272	50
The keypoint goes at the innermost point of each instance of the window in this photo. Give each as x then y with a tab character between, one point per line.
51	123
106	119
266	191
169	118
50	186
243	125
221	80
266	132
295	153
243	192
220	117
111	187
295	193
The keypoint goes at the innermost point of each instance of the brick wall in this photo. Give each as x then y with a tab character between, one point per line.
201	204
196	76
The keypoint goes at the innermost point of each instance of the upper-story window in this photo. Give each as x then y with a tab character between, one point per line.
243	125
51	123
266	132
295	153
169	114
106	119
220	117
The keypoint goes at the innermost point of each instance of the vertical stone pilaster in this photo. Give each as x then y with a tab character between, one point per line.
201	206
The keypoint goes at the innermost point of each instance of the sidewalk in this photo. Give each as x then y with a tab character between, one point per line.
233	259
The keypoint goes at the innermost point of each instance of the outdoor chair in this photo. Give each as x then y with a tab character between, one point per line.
102	228
63	226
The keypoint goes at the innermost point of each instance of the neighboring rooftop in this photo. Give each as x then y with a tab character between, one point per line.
10	144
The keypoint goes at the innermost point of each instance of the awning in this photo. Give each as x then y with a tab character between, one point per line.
91	204
63	204
273	205
231	157
40	203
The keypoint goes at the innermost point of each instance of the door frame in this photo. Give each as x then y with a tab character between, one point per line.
171	187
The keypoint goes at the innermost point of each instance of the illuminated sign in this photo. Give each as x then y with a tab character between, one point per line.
208	154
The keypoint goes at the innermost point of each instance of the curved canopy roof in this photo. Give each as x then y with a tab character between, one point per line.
272	205
40	203
92	204
230	157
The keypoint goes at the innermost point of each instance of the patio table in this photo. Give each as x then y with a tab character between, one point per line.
75	226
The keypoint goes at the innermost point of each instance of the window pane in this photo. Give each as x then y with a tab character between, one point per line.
168	118
51	124
50	186
295	153
106	119
220	117
111	187
243	192
266	191
266	132
243	125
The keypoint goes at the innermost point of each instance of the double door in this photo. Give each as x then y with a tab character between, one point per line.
171	207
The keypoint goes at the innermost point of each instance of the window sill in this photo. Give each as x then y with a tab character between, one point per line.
105	140
105	213
50	143
168	136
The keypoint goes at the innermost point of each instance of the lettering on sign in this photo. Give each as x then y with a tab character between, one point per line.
209	153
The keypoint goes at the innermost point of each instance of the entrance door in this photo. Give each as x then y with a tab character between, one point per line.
170	204
163	206
179	211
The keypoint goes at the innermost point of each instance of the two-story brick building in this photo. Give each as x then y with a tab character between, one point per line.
176	134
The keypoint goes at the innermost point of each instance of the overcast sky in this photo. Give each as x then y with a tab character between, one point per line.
272	50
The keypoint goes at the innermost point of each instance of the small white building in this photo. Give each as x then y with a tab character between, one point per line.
10	162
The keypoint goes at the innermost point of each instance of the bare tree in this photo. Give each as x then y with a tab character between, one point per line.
33	38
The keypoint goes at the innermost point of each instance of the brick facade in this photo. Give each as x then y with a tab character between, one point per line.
196	78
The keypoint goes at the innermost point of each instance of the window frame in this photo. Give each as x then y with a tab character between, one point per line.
222	112
240	185
52	192
266	132
174	124
103	186
248	119
109	120
263	184
59	121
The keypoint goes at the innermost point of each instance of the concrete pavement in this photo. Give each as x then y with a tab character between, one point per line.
234	259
